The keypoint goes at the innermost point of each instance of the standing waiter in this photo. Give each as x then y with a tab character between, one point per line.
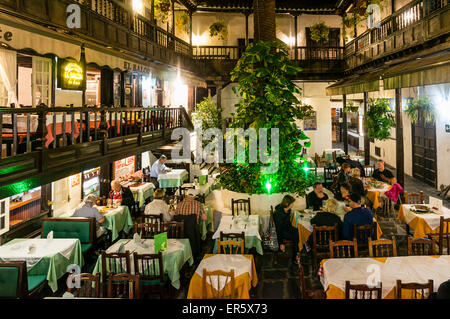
158	167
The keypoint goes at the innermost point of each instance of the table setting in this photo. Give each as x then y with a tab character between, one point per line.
174	178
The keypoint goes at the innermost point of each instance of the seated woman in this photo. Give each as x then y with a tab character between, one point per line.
356	184
159	206
343	204
328	217
284	228
89	211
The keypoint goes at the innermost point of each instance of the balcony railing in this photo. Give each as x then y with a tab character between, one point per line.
400	20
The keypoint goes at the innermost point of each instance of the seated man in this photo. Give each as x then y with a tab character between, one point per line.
190	206
357	216
158	167
382	174
158	206
328	217
88	211
315	199
283	226
123	195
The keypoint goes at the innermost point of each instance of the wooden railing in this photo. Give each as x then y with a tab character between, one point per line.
402	19
310	53
217	52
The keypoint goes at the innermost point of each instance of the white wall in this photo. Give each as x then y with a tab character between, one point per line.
67	97
25	92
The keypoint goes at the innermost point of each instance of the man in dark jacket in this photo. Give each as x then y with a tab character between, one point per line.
123	195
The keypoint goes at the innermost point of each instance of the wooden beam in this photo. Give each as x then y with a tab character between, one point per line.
296	36
190	27
366	137
344	124
400	155
246	28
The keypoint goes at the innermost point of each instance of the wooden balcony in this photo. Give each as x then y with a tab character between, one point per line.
413	27
41	145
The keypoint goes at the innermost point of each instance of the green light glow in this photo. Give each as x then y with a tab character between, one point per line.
306	169
268	186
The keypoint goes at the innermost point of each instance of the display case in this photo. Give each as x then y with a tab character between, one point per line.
24	206
91	182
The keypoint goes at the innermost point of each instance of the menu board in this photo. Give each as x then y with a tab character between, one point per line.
124	167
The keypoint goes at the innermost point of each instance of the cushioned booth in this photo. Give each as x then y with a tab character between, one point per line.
14	281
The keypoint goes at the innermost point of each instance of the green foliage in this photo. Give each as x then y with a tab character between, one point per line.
208	113
182	22
422	107
162	8
351	108
218	29
268	100
320	32
379	119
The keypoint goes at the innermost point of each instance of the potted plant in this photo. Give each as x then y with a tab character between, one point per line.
320	32
218	29
182	22
162	8
351	108
379	119
421	107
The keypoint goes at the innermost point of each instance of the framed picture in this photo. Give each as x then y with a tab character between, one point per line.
310	123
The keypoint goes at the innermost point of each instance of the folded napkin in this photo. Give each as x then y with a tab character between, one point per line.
68	295
136	238
50	235
121	248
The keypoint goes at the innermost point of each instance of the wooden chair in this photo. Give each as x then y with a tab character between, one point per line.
321	241
382	248
369	169
151	271
444	235
147	230
362	291
89	286
317	160
304	293
418	290
287	243
124	286
114	263
344	249
230	247
216	292
329	174
173	229
238	205
421	246
362	235
414	198
16	283
335	163
183	189
153	219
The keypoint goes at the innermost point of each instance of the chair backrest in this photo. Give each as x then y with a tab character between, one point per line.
344	249
182	191
444	234
173	229
230	247
238	205
414	198
147	230
369	169
124	286
322	236
73	227
13	279
362	291
149	266
153	219
89	286
219	291
317	160
421	246
382	248
417	290
301	275
364	232
115	263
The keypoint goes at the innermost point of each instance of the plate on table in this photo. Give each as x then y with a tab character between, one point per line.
421	209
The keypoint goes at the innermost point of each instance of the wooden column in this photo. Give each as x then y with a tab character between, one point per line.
296	36
344	124
355	27
173	17
190	27
152	12
246	28
392	6
399	136
366	137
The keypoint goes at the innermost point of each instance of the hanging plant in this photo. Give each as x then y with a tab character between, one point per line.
320	32
218	29
182	22
351	108
422	107
162	9
379	119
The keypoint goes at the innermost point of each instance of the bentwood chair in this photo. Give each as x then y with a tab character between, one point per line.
89	286
124	285
214	289
147	230
182	191
238	205
304	293
414	198
114	263
421	246
443	236
368	169
153	219
344	249
362	235
173	229
362	291
151	270
382	248
321	241
230	247
416	290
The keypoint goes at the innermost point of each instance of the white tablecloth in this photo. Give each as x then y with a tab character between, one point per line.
43	248
228	225
199	190
178	174
142	188
382	190
368	271
432	220
226	263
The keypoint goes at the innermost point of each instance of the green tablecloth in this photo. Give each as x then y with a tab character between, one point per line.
207	225
250	242
172	183
118	221
54	266
140	197
172	261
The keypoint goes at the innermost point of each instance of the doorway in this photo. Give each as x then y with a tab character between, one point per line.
424	151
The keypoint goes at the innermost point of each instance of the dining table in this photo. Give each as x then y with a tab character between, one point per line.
172	179
250	225
423	222
328	153
177	254
375	191
45	258
142	191
245	275
335	272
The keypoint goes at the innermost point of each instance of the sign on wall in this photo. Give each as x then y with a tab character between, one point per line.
71	75
124	167
310	123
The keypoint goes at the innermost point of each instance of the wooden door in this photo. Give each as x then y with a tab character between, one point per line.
424	151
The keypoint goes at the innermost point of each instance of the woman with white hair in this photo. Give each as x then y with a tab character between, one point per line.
89	211
356	183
